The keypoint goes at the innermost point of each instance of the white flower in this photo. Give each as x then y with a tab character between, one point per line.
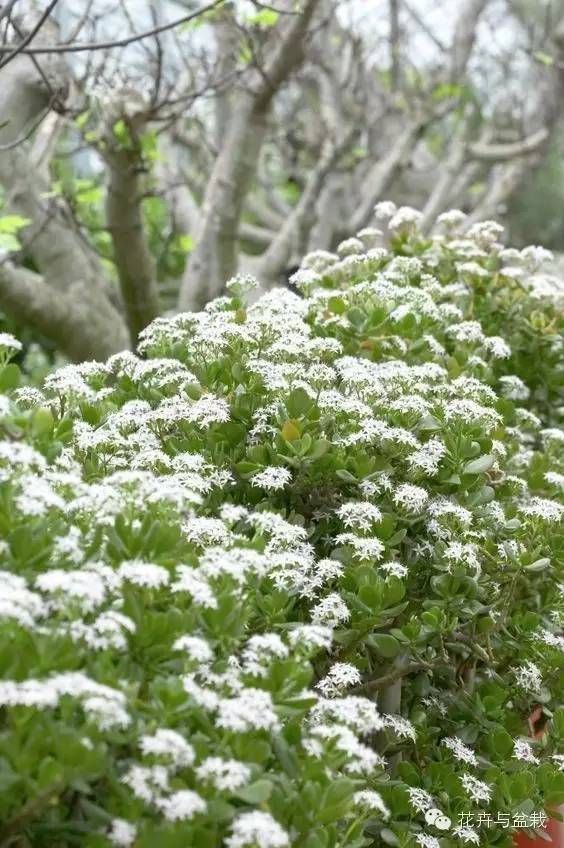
552	639
354	711
460	750
17	602
304	279
83	586
193	584
412	498
463	554
427	841
542	508
106	713
467	834
241	284
427	458
401	726
514	388
360	515
260	651
350	247
206	698
9	343
182	805
196	648
473	268
209	410
340	676
385	209
405	219
330	611
452	219
364	547
498	347
257	828
394	569
419	799
145	574
467	331
555	479
467	411
522	750
533	256
29	396
362	760
122	833
529	677
147	784
485	233
271	478
252	709
37	496
370	800
206	531
225	775
107	631
170	744
311	636
477	789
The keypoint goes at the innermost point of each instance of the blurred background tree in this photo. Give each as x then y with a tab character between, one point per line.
151	150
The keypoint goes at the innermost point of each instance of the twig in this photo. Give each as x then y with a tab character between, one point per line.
13	52
108	45
427	30
5	10
391	677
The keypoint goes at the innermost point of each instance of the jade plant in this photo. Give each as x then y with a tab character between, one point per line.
290	574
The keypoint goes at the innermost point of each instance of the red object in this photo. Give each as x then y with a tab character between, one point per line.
554	829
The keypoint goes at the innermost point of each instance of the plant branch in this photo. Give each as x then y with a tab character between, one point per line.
391	677
500	152
12	52
107	45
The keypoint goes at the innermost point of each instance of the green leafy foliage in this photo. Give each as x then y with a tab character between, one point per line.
10	225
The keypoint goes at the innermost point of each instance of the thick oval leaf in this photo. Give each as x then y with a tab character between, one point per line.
480	465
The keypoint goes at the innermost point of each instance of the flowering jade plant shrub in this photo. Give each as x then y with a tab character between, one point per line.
291	574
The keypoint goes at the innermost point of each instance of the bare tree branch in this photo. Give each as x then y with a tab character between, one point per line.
501	152
81	47
464	36
287	54
7	8
449	171
134	262
214	258
384	171
394	40
275	259
420	21
51	239
260	236
12	52
79	321
502	185
263	211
